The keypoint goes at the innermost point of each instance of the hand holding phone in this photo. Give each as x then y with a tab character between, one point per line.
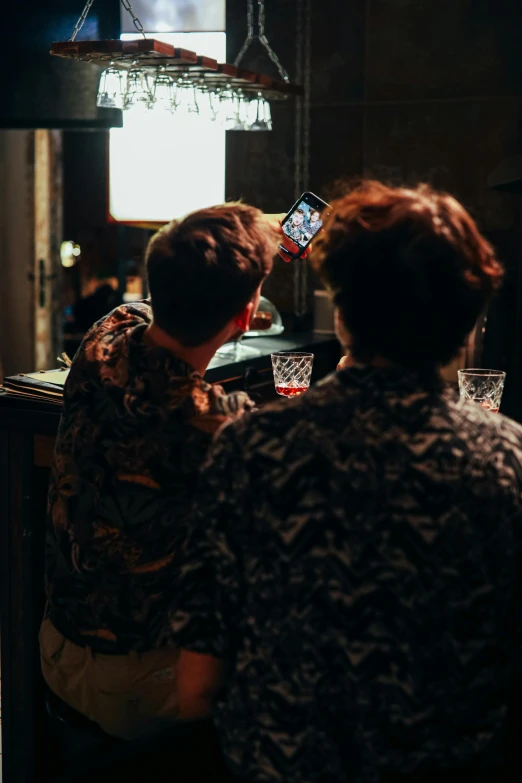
289	251
301	224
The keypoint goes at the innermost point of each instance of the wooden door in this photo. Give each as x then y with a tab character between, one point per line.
30	238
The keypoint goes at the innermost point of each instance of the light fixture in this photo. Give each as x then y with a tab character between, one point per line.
152	74
69	252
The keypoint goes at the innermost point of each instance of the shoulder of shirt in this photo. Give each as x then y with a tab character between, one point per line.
494	425
278	417
105	338
124	315
118	321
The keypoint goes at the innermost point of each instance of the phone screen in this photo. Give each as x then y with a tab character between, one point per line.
304	220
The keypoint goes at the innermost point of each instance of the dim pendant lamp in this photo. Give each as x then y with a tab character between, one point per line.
148	75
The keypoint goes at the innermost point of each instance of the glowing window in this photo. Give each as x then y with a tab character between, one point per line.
182	15
162	166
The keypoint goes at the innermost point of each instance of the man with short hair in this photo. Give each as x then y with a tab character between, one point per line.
136	423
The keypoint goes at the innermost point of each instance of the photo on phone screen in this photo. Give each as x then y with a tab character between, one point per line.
304	219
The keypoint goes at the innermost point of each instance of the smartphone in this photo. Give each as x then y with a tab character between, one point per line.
304	220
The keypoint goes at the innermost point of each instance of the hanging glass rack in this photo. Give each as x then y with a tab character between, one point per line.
150	54
149	71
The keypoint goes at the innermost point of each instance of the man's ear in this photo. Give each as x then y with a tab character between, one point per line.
242	319
342	333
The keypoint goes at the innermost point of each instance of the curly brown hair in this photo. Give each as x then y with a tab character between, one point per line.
203	270
408	270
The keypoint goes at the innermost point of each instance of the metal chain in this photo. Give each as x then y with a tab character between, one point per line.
250	32
264	40
81	21
303	67
298	147
307	84
298	152
260	36
137	24
125	3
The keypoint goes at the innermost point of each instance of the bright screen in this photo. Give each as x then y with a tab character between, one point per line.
302	224
162	166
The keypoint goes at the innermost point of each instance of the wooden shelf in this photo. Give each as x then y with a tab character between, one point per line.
150	53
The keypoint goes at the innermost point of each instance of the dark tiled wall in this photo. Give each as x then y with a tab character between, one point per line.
40	91
402	90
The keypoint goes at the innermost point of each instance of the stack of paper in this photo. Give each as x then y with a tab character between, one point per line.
46	386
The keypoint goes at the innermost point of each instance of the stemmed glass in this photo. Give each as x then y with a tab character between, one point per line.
241	111
188	95
237	351
229	106
228	112
164	92
292	372
214	94
138	92
111	89
260	116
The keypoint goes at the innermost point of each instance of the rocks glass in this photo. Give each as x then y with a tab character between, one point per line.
482	387
292	372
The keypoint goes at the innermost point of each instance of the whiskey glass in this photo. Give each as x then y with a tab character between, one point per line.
292	372
482	387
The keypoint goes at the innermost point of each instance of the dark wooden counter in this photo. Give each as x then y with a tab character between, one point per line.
27	434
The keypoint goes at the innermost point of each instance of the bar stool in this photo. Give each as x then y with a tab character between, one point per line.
189	753
76	738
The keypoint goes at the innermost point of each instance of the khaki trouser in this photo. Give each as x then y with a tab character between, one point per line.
129	696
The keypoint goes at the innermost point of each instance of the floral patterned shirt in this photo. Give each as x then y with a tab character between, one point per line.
312	228
356	561
136	425
296	233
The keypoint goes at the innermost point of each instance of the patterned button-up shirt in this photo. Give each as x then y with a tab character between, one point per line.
296	233
357	564
135	428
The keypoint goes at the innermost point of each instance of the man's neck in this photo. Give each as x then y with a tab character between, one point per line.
197	357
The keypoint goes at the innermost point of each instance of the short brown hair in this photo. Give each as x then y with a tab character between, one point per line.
204	269
408	269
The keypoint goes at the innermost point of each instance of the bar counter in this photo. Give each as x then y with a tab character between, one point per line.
27	434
